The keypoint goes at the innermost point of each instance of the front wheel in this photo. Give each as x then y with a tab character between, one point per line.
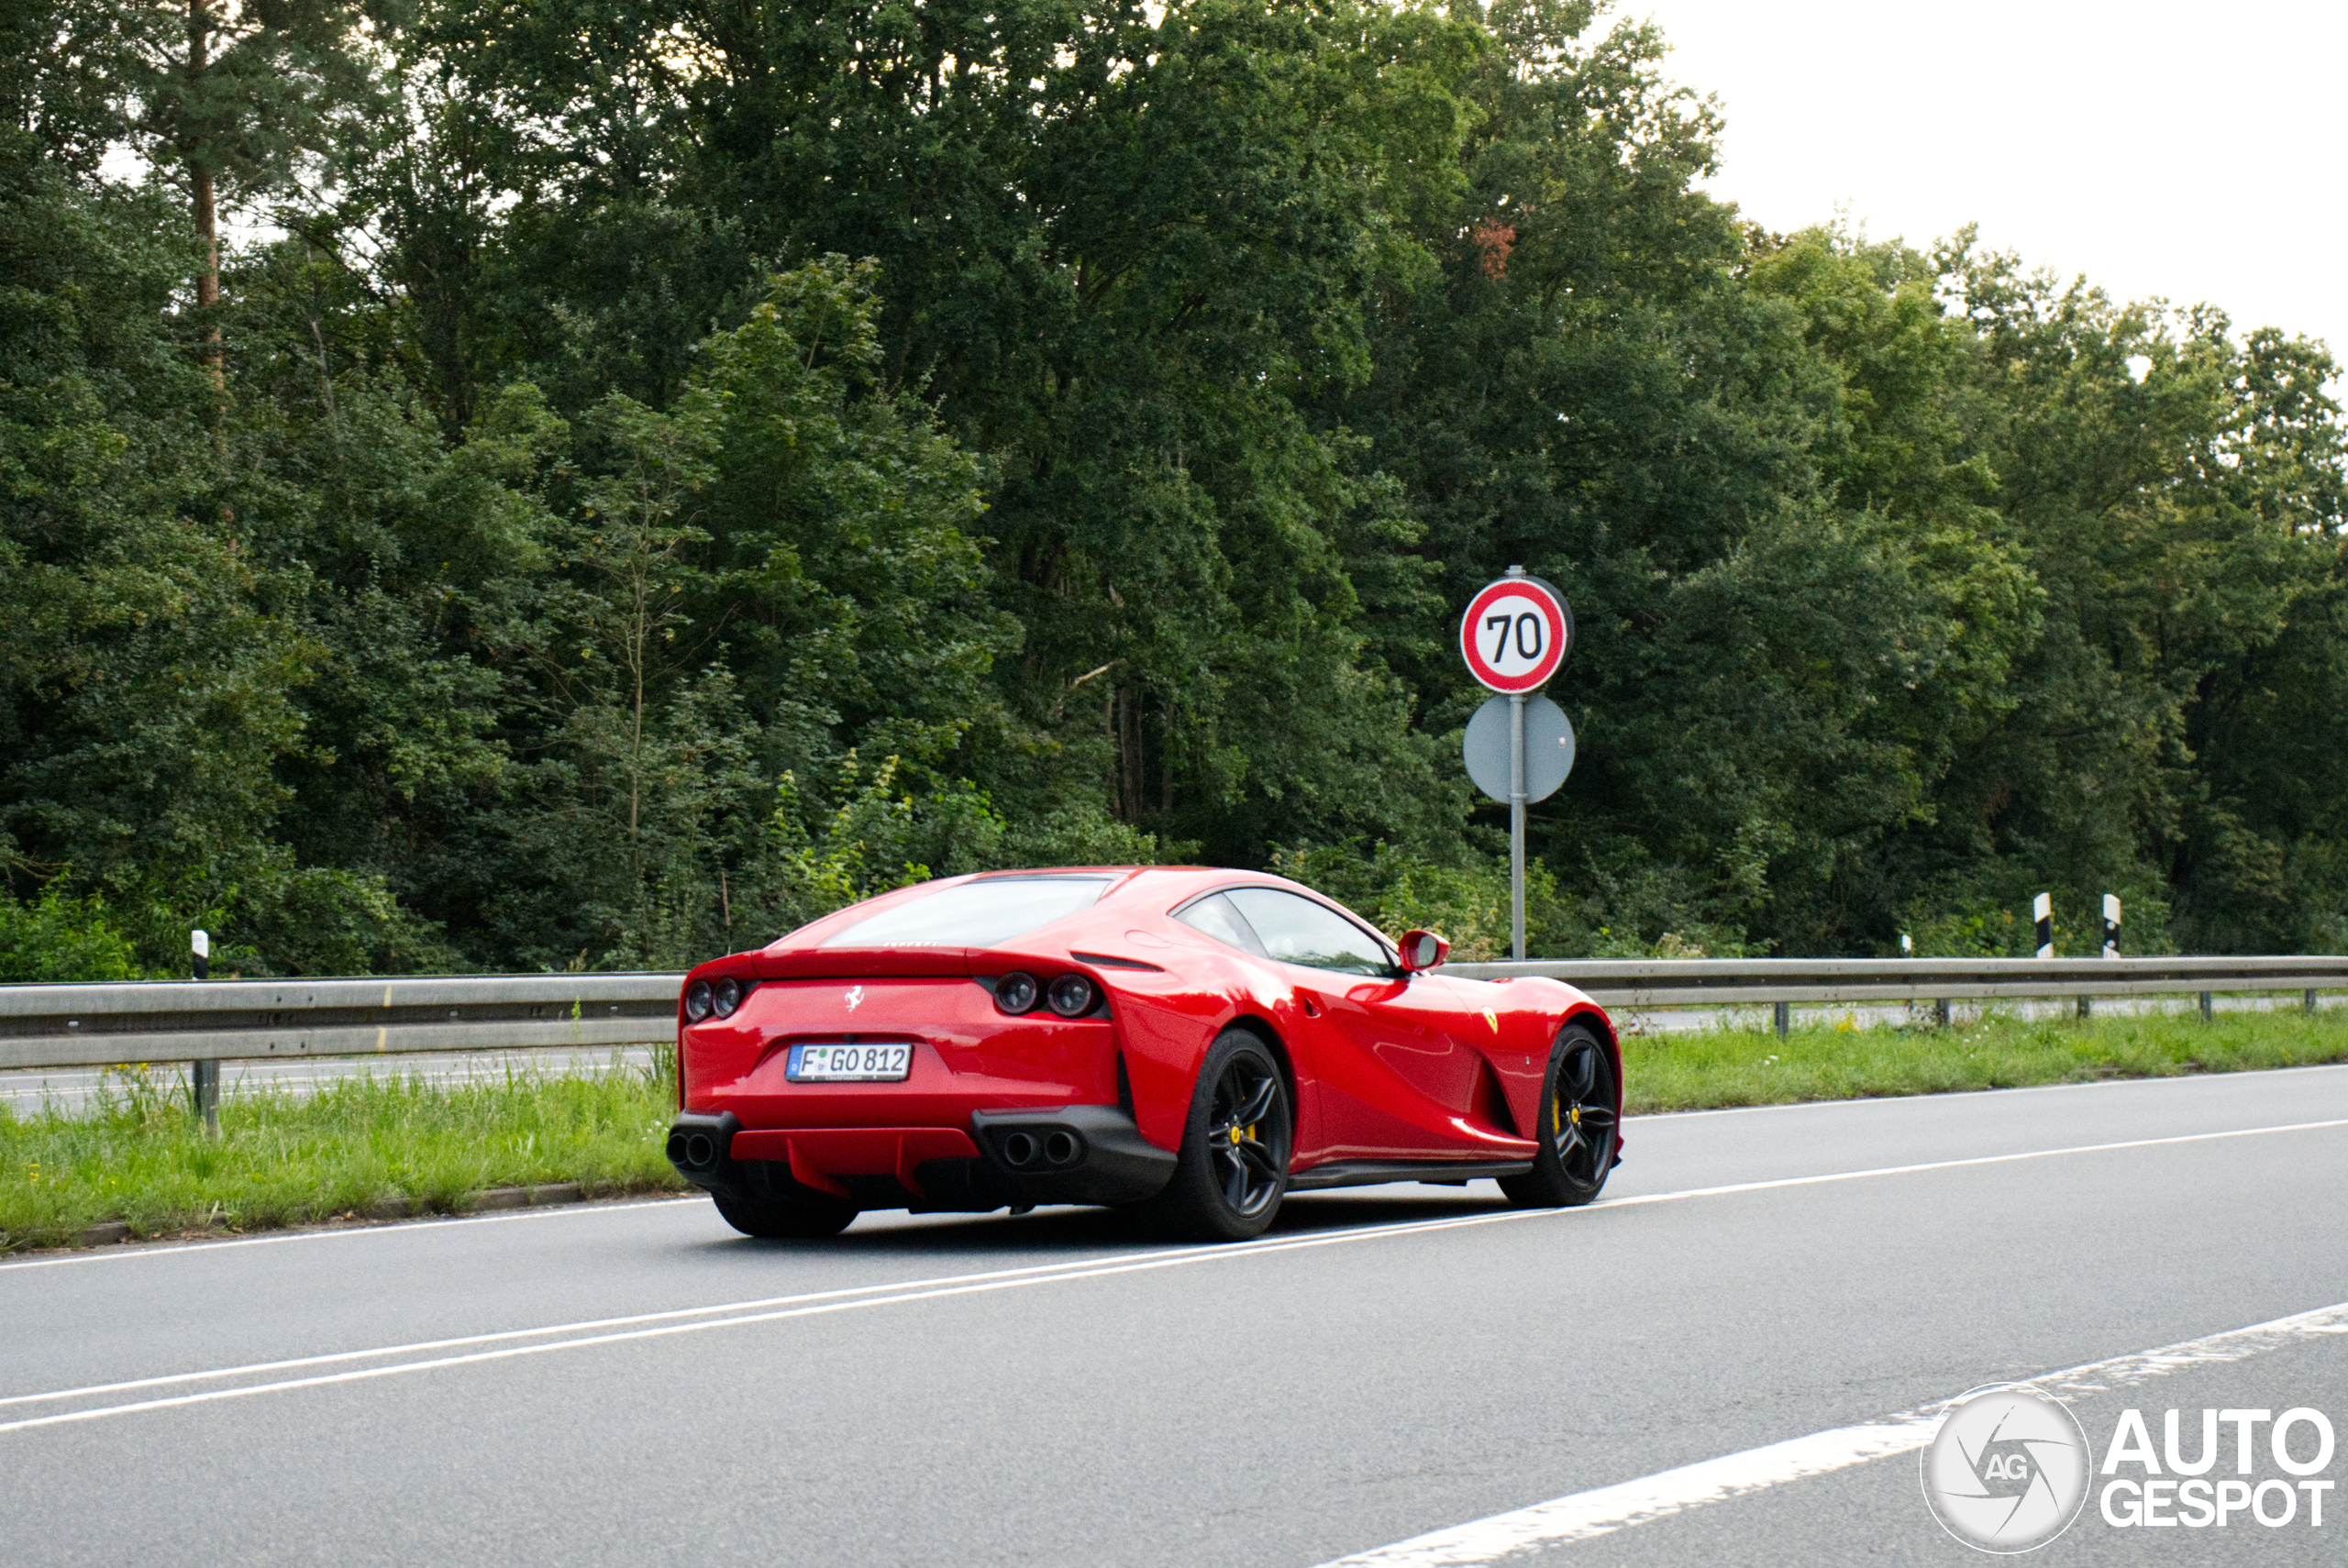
1579	1126
1231	1169
783	1220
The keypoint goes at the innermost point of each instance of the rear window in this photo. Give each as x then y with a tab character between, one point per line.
975	915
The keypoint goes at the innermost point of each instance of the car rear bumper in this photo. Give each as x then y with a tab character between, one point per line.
1076	1154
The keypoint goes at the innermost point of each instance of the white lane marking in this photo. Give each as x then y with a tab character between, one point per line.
1890	1100
1959	1165
161	1380
1043	1274
1605	1510
1610	1509
404	1228
977	1286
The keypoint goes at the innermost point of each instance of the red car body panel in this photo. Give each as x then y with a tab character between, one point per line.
1408	1069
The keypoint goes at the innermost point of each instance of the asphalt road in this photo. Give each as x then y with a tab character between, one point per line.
633	1384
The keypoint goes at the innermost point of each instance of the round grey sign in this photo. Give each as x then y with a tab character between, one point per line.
1548	748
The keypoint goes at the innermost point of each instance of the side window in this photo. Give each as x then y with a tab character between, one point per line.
1298	931
1216	917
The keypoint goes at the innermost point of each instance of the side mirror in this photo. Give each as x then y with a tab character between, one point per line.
1423	950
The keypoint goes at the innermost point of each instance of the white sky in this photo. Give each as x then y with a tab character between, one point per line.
2190	153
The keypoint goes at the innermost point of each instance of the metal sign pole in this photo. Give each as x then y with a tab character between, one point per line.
1516	826
1516	634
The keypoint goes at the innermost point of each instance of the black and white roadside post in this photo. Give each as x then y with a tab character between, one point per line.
2041	911
2111	942
1516	634
204	1077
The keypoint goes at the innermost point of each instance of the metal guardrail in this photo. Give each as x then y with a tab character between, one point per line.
83	1026
175	1021
1727	982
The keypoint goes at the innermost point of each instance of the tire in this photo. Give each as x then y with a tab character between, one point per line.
783	1220
1580	1125
1231	1172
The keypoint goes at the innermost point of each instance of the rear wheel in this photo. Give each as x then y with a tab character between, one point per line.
783	1220
1579	1131
1231	1169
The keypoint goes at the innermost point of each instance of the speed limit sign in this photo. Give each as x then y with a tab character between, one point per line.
1516	634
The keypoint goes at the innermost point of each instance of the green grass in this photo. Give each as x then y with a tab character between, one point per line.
137	1155
1751	1066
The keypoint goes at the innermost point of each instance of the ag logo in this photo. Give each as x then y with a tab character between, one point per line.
855	997
2008	1471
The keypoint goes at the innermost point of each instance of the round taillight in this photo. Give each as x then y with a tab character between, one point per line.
697	1001
726	995
1017	992
1071	995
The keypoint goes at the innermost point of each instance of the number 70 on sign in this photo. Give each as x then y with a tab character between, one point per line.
1516	634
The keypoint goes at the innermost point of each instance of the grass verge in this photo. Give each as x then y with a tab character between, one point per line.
137	1154
1712	1068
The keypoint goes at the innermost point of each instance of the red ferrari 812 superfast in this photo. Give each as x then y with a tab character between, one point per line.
1188	1044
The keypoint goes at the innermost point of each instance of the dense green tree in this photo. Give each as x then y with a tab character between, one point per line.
146	682
676	465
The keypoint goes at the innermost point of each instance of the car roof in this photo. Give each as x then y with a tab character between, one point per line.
1160	889
1149	883
1164	887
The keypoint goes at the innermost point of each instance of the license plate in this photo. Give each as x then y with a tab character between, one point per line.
849	1064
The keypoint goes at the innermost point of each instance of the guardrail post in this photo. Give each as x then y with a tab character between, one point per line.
2205	1006
203	1077
2087	1006
1941	1012
1785	1017
2307	1004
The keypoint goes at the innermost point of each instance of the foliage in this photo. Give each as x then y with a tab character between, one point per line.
674	468
54	938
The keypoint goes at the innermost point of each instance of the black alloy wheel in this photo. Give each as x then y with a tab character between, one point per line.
1580	1125
783	1219
1246	1096
1231	1169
